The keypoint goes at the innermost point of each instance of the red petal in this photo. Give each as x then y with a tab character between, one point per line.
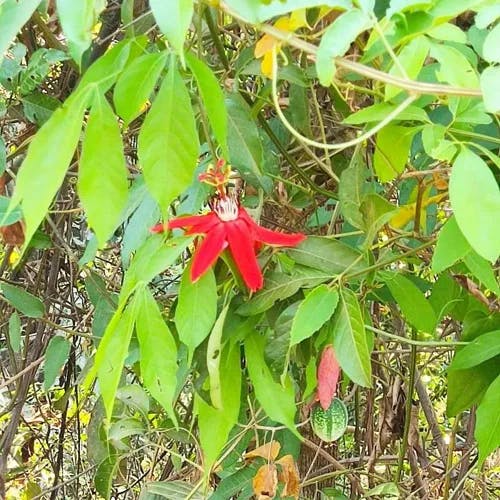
241	245
271	237
328	376
193	221
158	228
207	252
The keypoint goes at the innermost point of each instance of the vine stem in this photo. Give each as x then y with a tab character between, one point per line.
409	403
412	341
361	69
341	145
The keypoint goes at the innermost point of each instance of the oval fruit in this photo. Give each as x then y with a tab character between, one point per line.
331	423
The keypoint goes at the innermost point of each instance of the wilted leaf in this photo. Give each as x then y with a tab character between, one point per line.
290	476
265	482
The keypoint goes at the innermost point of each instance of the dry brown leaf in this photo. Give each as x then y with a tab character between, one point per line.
290	476
268	451
265	482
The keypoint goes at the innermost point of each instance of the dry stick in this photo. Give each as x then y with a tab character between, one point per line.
335	463
19	374
430	415
409	396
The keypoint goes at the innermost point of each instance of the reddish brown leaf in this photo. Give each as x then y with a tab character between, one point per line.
268	451
265	482
290	476
328	376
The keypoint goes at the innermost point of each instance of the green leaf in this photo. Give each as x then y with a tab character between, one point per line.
213	99
482	270
158	353
13	16
245	148
168	141
455	69
482	348
102	176
173	18
392	150
39	107
435	144
336	41
411	58
377	112
77	20
8	217
313	312
3	159
56	357
451	246
376	211
466	387
136	84
104	72
256	11
475	199
278	401
414	305
491	44
171	490
352	181
153	257
43	173
349	339
404	5
24	302
490	82
279	286
327	255
192	321
104	475
216	424
487	432
487	15
448	32
15	332
112	352
214	351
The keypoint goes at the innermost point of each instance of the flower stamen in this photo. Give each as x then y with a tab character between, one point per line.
226	207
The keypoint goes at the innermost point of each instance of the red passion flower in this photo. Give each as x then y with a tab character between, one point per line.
228	225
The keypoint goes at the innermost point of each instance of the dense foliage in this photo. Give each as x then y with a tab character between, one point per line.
221	355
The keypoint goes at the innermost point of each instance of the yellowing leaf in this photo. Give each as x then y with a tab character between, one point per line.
265	482
268	451
406	213
298	19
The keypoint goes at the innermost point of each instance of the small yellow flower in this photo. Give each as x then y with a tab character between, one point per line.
264	47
